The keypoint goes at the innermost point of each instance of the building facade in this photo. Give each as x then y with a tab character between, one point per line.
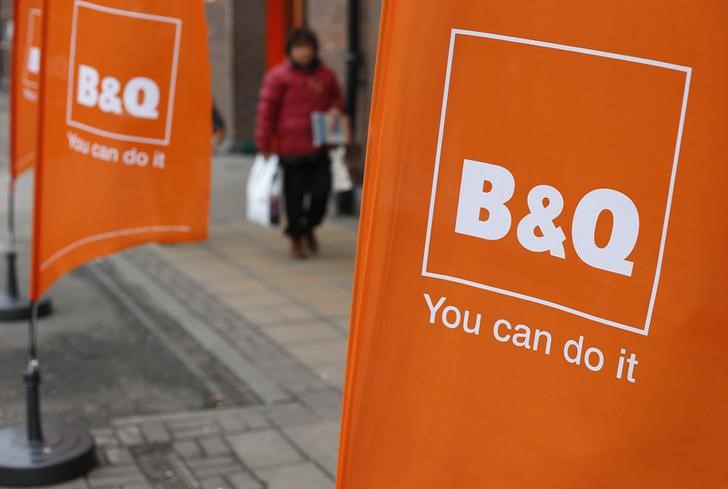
247	37
350	38
6	31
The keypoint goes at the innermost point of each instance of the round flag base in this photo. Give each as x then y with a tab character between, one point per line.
19	308
65	454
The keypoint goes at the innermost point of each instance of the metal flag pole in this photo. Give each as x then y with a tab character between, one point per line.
11	254
37	454
14	306
31	377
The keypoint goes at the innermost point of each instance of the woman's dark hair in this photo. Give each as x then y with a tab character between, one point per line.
302	36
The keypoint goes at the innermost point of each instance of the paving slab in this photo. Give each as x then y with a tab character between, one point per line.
264	449
300	476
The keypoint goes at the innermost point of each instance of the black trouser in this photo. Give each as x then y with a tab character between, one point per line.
305	178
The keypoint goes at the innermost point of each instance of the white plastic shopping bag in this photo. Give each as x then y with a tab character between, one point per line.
263	191
339	172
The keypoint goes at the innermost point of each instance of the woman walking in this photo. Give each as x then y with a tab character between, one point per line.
291	92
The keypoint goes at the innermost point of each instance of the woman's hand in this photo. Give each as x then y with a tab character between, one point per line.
336	113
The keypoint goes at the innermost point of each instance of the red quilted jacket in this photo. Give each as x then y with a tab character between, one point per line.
287	98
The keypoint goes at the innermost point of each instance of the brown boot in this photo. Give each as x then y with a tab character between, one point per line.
297	250
312	243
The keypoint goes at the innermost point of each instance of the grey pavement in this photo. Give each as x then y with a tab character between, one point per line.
218	364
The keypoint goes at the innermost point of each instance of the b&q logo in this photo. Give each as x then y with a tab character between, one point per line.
555	172
122	73
537	231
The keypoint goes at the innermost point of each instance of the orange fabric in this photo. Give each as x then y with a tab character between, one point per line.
25	81
125	131
608	97
275	32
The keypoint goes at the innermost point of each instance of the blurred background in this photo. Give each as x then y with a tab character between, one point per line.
247	37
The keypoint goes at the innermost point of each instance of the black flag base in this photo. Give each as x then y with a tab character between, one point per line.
13	306
18	308
39	454
64	454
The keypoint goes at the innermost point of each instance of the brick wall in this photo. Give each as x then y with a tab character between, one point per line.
249	54
220	36
329	19
237	46
369	16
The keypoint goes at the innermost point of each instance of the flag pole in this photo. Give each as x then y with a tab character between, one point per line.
32	382
38	454
11	254
13	305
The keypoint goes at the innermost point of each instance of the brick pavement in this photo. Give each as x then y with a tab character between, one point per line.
279	326
288	321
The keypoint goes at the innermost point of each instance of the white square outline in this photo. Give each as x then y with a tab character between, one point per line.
32	13
644	331
173	78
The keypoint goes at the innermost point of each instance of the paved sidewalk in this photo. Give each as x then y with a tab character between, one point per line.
279	327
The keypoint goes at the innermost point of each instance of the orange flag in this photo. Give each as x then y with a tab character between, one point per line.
125	130
26	62
541	283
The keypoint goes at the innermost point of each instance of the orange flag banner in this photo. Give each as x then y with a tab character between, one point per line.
26	63
540	286
125	129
